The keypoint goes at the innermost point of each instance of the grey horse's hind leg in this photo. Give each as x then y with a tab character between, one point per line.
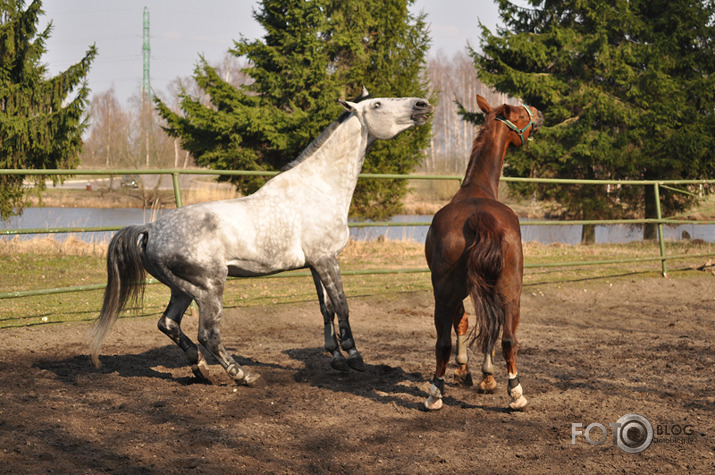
331	342
210	309
170	325
328	271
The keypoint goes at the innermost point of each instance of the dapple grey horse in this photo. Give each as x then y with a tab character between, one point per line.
298	219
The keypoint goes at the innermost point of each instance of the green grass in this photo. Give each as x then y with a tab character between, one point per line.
44	265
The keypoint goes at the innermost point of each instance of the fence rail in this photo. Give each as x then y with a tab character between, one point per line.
176	173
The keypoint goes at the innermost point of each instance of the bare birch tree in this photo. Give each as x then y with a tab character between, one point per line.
454	79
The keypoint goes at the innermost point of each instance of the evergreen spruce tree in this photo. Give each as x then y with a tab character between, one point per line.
312	54
40	124
627	91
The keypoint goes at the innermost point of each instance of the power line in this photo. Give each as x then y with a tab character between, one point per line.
146	51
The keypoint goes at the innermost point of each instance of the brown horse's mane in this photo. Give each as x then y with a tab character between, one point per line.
483	136
485	131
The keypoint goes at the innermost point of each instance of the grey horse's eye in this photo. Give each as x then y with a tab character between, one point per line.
377	105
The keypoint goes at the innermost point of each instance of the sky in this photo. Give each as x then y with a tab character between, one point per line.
181	30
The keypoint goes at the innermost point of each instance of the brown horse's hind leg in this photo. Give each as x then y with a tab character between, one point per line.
170	325
488	385
443	321
509	349
462	375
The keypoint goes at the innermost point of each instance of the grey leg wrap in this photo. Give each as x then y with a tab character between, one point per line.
513	383
488	366
346	338
462	357
516	392
331	343
439	384
434	401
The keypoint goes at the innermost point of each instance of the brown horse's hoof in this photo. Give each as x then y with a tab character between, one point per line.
462	376
433	404
519	405
488	385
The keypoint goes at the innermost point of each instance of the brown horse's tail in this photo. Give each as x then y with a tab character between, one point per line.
125	282
485	262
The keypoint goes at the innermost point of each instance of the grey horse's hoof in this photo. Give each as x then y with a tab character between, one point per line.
253	380
339	362
201	372
201	368
355	362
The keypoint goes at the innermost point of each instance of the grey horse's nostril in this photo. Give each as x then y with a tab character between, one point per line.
422	105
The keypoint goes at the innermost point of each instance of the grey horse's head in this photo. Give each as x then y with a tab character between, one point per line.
386	117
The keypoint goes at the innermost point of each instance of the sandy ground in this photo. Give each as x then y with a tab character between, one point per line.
590	352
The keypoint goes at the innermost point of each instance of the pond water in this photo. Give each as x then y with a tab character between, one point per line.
568	234
545	234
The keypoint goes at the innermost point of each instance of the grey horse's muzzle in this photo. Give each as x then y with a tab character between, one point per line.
421	111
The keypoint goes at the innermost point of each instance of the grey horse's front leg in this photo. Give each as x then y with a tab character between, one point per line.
328	273
331	342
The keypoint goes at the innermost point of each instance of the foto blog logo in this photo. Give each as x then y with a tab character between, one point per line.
632	433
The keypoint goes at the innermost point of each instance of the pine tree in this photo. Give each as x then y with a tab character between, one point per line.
40	124
312	54
627	91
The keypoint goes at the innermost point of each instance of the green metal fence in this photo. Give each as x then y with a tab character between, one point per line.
176	173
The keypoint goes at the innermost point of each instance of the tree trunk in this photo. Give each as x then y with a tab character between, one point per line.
588	231
588	234
650	231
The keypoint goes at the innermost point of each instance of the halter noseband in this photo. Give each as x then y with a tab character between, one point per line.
517	129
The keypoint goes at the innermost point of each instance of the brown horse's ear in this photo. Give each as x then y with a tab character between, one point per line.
483	104
507	110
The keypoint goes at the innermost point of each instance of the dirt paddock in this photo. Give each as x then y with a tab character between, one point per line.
590	352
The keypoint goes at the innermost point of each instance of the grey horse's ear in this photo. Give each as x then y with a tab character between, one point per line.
364	94
347	105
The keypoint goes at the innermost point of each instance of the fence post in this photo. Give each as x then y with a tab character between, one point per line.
177	189
661	238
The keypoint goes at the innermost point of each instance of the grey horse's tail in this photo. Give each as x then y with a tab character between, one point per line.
125	282
485	263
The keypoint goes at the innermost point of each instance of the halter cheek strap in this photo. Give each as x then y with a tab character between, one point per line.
516	129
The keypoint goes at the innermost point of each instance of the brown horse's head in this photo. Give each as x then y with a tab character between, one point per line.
523	121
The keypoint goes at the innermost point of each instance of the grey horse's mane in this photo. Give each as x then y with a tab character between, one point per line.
325	135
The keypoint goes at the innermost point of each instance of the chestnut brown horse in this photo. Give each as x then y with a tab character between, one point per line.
473	249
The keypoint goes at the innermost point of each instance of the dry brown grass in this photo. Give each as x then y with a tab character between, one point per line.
49	246
209	191
388	251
